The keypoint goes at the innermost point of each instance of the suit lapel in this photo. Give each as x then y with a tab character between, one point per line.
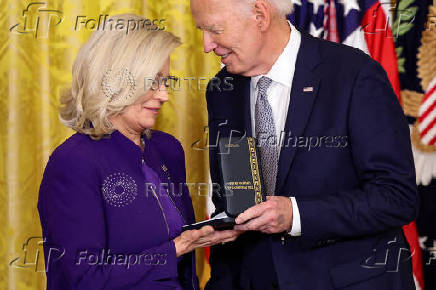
303	93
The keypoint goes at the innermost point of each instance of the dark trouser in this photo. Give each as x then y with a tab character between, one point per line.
245	264
260	267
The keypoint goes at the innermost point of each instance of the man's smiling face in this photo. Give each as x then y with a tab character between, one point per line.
230	31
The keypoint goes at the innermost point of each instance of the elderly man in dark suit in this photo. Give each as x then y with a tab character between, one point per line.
335	152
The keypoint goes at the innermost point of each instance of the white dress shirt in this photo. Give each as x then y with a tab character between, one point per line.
279	95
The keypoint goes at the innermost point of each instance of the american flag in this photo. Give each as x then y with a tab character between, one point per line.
366	24
427	115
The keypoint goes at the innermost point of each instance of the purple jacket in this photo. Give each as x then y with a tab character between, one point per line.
102	228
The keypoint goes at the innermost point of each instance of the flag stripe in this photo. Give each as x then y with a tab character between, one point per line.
428	111
428	94
426	121
430	133
432	141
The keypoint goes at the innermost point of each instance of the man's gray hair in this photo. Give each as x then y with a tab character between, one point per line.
283	7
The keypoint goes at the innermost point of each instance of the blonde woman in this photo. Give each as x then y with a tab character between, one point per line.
113	197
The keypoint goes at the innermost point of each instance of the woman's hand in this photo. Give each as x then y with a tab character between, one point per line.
204	237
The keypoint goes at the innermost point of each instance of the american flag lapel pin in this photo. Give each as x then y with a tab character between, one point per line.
308	89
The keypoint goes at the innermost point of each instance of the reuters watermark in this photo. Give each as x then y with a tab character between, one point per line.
200	189
189	83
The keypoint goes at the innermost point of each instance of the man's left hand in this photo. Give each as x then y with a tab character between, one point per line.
272	216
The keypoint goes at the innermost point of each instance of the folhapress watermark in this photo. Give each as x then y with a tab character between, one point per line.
104	23
38	19
105	257
285	139
32	256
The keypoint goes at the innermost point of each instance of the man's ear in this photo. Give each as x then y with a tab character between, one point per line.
263	10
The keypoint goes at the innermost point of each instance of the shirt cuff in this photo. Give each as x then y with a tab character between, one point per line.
296	221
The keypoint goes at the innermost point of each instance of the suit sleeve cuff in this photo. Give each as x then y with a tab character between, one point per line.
296	222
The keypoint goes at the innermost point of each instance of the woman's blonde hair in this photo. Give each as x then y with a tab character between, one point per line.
110	73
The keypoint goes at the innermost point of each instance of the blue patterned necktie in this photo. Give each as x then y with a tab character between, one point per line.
266	133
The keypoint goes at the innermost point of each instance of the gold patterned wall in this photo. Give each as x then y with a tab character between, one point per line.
35	64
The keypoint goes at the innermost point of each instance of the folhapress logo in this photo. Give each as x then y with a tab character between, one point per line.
37	20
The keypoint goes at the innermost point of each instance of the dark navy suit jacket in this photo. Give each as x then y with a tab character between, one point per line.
355	185
102	228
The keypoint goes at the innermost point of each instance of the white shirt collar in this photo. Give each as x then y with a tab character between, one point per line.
283	69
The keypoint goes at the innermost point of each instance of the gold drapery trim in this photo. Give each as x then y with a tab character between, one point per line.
427	52
411	102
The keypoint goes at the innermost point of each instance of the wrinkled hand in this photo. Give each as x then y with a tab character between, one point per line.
272	216
204	237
